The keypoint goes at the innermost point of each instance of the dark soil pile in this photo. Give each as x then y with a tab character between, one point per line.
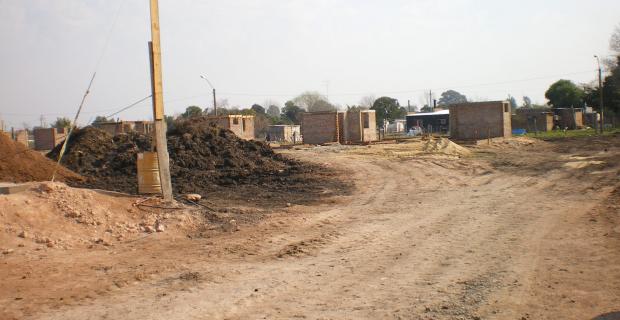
203	159
20	164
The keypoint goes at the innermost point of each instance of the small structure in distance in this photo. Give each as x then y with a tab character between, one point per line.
284	133
430	122
241	125
339	126
480	120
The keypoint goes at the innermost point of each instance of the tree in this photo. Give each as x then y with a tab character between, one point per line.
100	119
169	123
611	91
387	109
450	97
61	123
513	103
191	112
367	102
527	102
426	108
564	94
313	101
614	42
258	109
273	111
292	113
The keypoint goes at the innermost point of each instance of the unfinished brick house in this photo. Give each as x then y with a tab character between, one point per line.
480	120
342	127
119	127
570	118
284	133
48	138
532	120
241	125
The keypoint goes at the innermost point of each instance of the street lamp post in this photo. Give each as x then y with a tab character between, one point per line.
600	89
213	88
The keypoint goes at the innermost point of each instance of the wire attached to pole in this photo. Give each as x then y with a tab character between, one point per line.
73	125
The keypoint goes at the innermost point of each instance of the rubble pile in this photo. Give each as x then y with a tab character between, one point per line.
203	158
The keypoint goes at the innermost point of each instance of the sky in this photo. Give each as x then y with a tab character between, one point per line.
259	51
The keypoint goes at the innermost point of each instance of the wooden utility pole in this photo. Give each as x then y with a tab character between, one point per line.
158	105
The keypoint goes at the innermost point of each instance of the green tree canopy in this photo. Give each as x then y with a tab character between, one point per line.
192	111
292	113
387	109
100	119
313	101
273	111
527	102
564	94
450	97
61	123
258	109
513	103
611	91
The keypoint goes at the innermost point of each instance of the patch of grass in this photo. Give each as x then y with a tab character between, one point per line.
560	134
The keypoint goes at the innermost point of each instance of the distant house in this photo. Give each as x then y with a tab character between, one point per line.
480	120
119	127
532	120
571	118
432	122
48	138
339	126
241	125
397	126
284	133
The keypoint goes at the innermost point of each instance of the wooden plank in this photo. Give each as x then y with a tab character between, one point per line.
13	188
158	94
158	105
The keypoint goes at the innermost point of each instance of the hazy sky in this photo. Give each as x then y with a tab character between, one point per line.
253	51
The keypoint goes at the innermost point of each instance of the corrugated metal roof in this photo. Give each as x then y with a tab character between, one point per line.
430	113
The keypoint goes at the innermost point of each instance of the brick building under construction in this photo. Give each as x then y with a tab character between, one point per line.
343	127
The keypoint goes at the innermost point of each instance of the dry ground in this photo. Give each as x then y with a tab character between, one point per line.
517	230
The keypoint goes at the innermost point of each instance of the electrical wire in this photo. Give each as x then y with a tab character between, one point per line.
129	106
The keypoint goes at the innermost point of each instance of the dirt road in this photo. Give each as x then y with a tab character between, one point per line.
512	232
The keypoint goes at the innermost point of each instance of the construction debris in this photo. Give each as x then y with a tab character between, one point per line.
203	159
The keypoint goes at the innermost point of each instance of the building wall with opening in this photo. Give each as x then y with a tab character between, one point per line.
569	118
48	138
241	125
284	133
480	120
343	127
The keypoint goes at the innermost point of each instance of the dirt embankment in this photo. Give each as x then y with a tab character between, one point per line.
20	164
204	160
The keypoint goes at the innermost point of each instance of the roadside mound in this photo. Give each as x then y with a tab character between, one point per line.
53	215
20	164
203	159
444	146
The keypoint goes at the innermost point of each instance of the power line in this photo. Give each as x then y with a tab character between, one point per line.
294	94
406	91
129	106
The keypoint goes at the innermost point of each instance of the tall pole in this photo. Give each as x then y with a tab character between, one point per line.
213	89
600	89
214	103
158	105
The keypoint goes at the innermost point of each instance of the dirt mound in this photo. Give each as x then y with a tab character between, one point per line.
20	164
203	159
444	146
53	215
